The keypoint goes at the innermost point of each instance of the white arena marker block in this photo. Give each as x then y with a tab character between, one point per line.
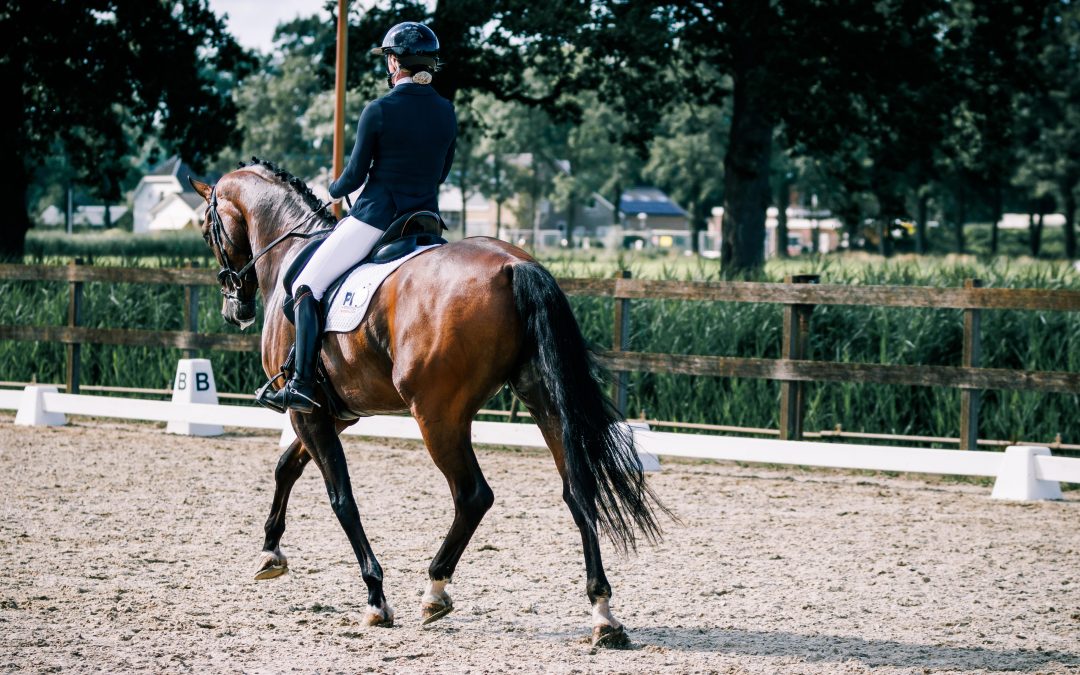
288	434
649	461
194	383
1016	477
32	408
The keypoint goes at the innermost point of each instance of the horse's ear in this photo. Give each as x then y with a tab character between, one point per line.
201	187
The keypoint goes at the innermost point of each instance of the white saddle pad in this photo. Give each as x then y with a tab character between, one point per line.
349	304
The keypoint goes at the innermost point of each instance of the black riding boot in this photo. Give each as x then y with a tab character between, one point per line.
299	392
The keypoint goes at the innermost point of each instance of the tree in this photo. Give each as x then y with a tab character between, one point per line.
103	77
685	160
989	49
1053	114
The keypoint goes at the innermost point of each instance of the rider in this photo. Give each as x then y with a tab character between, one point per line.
404	149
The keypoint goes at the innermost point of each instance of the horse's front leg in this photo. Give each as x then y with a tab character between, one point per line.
319	436
273	562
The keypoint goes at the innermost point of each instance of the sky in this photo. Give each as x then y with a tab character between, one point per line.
253	21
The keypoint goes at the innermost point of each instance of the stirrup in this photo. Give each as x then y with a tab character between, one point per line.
266	390
290	398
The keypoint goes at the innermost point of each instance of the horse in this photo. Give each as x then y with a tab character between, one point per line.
443	333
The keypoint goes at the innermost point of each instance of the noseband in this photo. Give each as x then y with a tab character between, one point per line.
218	235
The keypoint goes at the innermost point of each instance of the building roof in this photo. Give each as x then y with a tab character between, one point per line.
178	169
193	199
190	199
650	201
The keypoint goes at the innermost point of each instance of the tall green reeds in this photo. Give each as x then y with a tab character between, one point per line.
1024	340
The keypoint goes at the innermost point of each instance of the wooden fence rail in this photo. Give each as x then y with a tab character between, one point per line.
799	295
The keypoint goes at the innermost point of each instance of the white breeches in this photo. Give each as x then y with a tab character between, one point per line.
347	245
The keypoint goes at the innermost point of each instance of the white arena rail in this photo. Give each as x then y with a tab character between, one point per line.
1022	472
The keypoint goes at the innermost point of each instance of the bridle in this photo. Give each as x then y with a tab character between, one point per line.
218	235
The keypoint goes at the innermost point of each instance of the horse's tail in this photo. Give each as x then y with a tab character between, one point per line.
603	470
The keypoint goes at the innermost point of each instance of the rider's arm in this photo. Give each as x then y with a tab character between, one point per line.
356	171
449	161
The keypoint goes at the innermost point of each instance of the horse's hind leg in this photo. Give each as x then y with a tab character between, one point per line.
607	630
451	450
273	562
318	435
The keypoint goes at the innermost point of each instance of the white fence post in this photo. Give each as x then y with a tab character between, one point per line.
194	383
32	408
1017	477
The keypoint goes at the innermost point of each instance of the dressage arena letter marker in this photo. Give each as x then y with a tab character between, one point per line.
32	408
194	383
1019	478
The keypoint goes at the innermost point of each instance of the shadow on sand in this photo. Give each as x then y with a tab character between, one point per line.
832	648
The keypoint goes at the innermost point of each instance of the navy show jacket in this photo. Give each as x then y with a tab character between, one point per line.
404	148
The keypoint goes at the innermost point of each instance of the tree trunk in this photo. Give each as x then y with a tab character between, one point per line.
616	216
998	209
14	176
13	186
1035	229
571	217
920	226
746	165
1069	203
783	196
463	178
961	218
697	224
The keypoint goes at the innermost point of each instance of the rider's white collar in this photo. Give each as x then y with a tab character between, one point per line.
404	80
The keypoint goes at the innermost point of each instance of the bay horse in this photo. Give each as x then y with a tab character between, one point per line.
442	335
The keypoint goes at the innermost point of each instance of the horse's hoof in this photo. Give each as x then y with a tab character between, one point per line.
378	617
610	637
432	612
273	564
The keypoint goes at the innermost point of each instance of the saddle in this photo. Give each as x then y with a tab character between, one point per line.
404	236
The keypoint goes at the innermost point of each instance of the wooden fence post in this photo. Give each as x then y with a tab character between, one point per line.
620	341
191	310
971	399
74	319
795	340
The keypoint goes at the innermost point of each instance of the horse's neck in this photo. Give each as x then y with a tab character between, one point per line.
274	262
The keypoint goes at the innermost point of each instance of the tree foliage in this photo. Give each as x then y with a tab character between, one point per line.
96	80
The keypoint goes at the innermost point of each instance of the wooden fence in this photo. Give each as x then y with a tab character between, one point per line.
798	295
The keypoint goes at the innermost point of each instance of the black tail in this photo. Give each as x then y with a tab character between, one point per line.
602	465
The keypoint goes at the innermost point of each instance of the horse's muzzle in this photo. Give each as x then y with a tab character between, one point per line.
238	313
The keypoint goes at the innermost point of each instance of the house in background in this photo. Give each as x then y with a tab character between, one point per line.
651	218
177	211
480	212
165	200
86	215
804	227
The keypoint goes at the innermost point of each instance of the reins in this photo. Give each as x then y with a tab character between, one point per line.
218	233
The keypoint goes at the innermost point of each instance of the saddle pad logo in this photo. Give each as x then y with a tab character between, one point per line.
354	301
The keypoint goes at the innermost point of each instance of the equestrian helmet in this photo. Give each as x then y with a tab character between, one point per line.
413	43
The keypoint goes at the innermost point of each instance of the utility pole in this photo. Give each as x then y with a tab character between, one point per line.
339	94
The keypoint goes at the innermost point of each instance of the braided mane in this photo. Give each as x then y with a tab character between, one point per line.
299	186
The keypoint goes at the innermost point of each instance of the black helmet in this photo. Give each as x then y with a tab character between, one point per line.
413	43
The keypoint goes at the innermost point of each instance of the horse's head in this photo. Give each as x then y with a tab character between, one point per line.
225	232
